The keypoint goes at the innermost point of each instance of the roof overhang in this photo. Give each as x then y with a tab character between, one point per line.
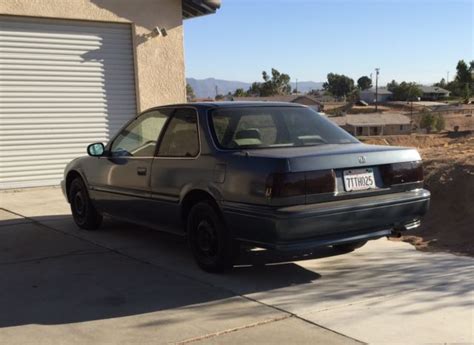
197	8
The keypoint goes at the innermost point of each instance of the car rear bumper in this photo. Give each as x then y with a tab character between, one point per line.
322	224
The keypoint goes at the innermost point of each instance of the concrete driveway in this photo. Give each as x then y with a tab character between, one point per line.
126	284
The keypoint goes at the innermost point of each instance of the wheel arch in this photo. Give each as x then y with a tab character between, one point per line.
194	196
71	176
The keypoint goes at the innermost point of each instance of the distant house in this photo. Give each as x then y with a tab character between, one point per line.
374	124
308	100
433	93
383	95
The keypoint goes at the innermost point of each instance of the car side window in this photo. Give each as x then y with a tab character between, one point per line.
181	137
139	138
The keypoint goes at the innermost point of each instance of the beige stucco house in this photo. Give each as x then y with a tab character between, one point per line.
73	72
374	124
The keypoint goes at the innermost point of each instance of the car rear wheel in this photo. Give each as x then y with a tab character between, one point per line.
349	247
211	243
83	211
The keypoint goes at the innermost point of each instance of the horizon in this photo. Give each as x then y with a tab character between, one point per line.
402	52
293	81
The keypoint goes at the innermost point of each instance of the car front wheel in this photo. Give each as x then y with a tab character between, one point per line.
211	243
83	211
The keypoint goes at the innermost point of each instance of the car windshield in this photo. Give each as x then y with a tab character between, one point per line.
267	127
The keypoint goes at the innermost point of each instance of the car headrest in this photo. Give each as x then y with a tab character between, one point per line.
251	133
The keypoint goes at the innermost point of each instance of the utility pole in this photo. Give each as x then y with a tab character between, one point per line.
296	86
376	88
447	77
217	91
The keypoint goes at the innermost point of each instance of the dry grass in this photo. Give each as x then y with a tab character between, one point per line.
449	175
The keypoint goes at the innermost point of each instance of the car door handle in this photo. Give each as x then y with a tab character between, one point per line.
141	171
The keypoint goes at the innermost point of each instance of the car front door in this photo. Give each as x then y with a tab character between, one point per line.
121	181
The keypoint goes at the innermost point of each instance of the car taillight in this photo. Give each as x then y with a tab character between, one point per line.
285	185
399	173
323	181
300	183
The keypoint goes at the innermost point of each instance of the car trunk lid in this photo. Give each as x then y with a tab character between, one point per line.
359	160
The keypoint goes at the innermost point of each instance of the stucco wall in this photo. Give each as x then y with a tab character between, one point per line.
159	60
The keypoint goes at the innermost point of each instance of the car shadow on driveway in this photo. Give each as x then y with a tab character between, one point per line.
53	273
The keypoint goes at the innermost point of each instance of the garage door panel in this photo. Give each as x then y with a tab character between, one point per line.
13	44
21	38
60	64
70	78
6	72
63	85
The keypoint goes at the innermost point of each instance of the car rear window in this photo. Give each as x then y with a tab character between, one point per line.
266	127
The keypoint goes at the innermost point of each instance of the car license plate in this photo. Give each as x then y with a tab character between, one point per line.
359	179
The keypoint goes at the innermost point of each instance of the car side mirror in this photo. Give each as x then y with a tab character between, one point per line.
96	149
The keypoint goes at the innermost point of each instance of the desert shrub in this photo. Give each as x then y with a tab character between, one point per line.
440	123
432	122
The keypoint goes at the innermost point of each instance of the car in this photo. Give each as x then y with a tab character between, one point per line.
277	176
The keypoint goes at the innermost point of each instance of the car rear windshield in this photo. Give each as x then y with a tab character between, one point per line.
267	127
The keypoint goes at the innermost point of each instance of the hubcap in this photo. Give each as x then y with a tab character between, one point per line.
206	239
79	203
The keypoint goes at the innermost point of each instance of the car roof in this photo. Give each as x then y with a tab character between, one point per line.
235	104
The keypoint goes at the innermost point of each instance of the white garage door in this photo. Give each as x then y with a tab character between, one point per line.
63	85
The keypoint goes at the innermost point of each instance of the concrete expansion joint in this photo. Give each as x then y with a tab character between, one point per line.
327	329
231	330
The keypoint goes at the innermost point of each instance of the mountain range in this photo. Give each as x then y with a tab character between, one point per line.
204	88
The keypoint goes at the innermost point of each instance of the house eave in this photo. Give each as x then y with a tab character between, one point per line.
197	8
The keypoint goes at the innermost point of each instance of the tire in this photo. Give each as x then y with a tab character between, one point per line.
211	243
83	211
349	247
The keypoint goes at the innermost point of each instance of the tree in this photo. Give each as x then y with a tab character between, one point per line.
254	89
392	86
427	122
354	95
239	93
364	83
276	84
454	87
463	75
190	93
441	84
338	85
431	122
405	91
467	93
463	83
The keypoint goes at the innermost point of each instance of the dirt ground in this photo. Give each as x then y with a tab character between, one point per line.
449	175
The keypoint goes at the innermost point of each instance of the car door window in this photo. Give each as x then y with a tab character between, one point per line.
181	137
139	138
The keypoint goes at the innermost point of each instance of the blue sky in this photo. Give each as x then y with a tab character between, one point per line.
409	40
